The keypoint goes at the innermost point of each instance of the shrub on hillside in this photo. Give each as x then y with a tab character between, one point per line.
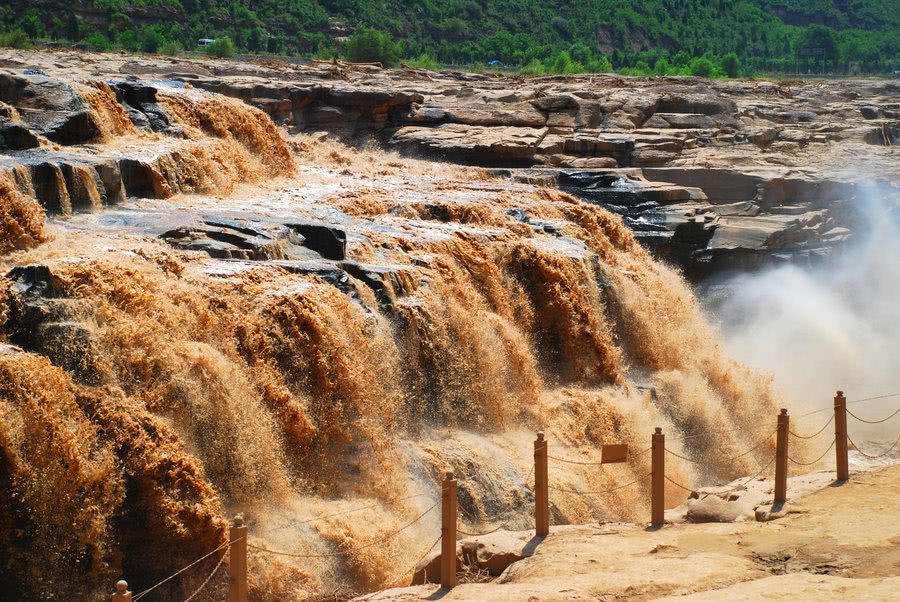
171	48
425	61
372	46
701	67
222	48
731	65
15	39
535	67
98	41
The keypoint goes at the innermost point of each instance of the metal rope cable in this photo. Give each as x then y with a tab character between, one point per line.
850	403
214	571
816	434
760	442
744	484
140	595
669	451
874	421
816	460
458	530
574	461
677	484
368	545
732	459
472	520
528	478
856	447
343	512
638	480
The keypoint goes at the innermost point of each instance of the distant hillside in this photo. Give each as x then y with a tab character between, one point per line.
766	34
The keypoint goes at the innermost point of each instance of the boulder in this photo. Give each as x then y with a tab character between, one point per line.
328	241
50	108
42	320
713	509
139	101
493	553
14	136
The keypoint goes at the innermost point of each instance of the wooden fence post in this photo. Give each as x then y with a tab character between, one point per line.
237	561
658	486
448	532
541	487
840	436
781	457
122	594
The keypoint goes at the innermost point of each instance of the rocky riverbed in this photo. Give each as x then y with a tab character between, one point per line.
282	289
712	175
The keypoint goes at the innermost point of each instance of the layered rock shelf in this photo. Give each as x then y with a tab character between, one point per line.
711	175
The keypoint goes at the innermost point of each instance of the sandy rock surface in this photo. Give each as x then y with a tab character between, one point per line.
841	543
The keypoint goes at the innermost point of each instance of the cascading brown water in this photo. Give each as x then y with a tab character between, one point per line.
280	396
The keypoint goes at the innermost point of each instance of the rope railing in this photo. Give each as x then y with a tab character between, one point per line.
337	554
140	595
615	453
728	460
817	460
677	484
825	409
874	421
745	483
472	520
599	491
207	580
882	455
816	434
344	512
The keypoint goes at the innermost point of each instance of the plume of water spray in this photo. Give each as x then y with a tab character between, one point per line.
832	327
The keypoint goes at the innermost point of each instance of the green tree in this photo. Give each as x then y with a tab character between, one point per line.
701	67
372	46
731	65
815	38
222	48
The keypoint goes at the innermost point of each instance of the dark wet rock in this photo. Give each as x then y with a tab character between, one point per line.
870	112
387	281
50	108
42	320
329	241
139	101
14	136
223	240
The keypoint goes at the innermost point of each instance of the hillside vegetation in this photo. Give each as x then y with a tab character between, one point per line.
660	36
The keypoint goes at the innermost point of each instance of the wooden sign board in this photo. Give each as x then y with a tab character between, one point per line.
613	454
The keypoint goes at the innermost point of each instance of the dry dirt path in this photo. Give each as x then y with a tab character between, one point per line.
839	543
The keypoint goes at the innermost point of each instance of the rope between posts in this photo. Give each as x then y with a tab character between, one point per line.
744	484
816	434
874	421
677	484
343	512
732	459
334	555
636	481
574	461
214	571
856	447
469	516
669	451
140	595
760	442
458	530
851	403
816	460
